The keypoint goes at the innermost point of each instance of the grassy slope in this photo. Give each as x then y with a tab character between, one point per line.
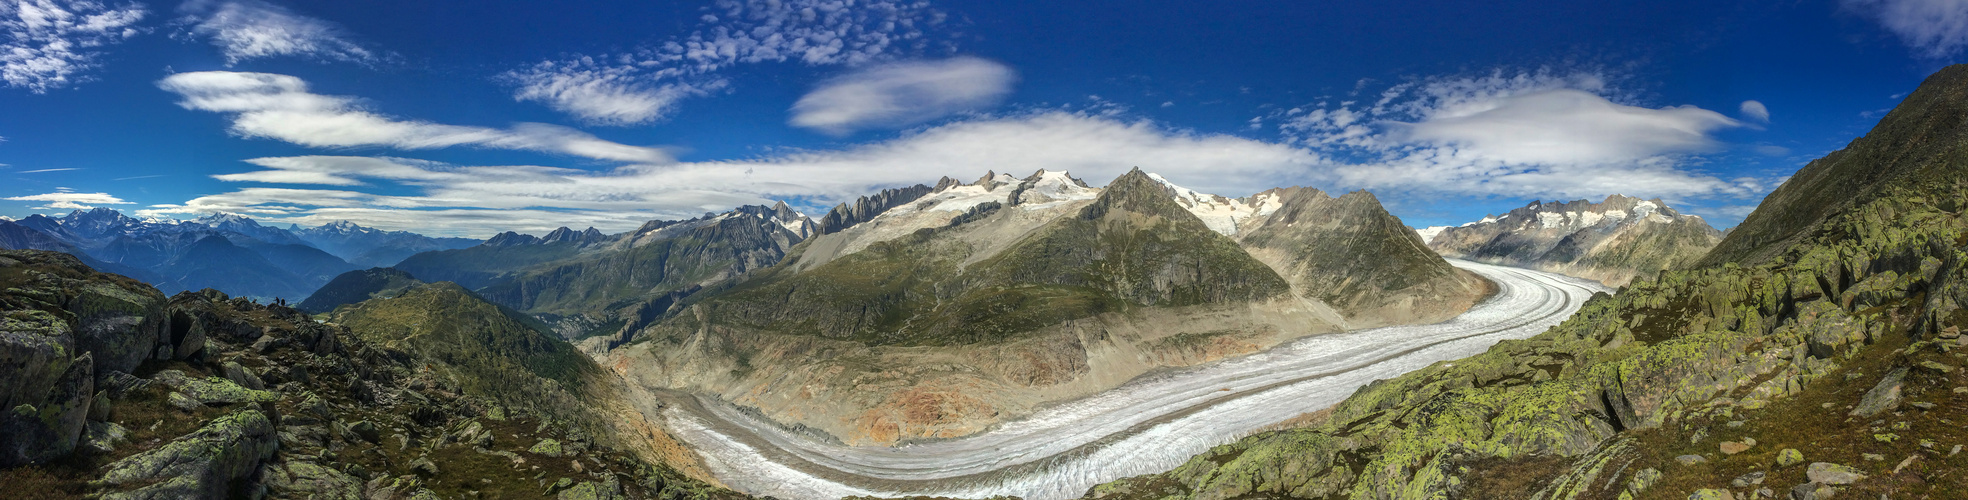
494	351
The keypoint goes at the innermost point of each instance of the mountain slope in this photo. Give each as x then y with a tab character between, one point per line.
480	265
1350	253
1920	144
493	349
606	286
357	286
1130	247
1613	241
1797	353
215	262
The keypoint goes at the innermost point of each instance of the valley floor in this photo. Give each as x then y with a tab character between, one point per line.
1151	424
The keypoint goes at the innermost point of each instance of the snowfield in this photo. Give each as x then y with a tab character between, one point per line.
1149	425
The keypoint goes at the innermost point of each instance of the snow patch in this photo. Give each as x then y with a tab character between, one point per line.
1429	233
1221	214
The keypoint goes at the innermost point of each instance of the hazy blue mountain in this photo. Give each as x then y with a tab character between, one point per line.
371	247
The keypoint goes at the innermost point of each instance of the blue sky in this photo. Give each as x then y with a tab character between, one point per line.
469	118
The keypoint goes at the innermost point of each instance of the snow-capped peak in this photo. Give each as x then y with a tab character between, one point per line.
1220	213
1046	188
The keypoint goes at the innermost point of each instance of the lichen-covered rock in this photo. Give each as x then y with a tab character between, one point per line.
310	480
549	447
593	490
244	377
1834	474
201	464
1883	397
1789	457
1711	494
102	437
45	390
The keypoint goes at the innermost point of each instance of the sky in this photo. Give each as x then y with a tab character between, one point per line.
473	118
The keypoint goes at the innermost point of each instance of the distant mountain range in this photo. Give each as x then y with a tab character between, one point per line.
228	252
1613	241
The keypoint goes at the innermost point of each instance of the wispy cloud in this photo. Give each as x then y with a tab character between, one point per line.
1934	29
1534	134
902	94
71	201
280	107
36	171
48	44
644	85
1092	146
1756	111
251	29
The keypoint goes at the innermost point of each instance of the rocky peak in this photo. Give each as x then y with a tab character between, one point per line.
867	207
1046	187
510	238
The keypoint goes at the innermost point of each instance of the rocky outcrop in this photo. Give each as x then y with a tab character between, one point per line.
203	464
1612	241
867	207
64	326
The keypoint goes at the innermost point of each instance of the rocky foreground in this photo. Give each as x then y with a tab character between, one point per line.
204	396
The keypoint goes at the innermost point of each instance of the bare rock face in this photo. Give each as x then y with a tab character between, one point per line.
1613	241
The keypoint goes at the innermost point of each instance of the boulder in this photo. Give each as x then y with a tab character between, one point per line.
102	437
1812	491
1711	494
202	464
310	480
366	431
1883	397
245	378
549	447
1690	459
1789	457
45	391
1834	474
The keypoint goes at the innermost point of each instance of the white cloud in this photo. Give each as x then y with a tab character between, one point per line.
251	29
71	201
602	94
1094	147
644	85
1531	134
902	94
1755	110
47	44
280	107
1565	126
1935	29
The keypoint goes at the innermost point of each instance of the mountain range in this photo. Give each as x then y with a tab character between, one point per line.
228	252
944	310
1613	241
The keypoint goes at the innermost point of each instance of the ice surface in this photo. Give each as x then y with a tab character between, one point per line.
1148	425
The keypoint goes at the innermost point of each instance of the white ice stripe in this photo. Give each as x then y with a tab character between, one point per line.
1148	425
